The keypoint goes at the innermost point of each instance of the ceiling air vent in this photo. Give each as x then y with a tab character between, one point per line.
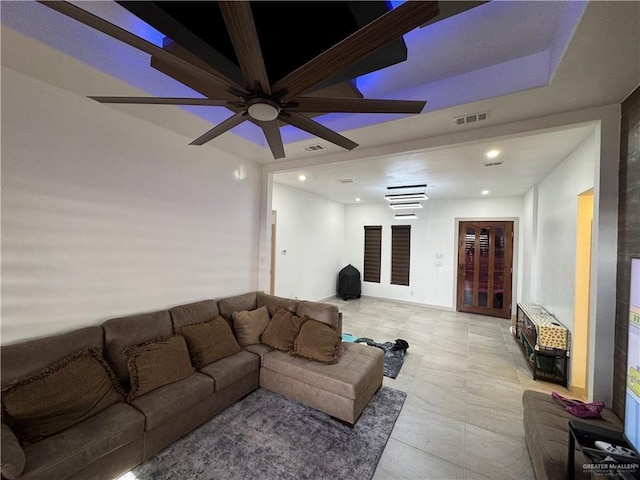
493	164
471	118
346	180
314	148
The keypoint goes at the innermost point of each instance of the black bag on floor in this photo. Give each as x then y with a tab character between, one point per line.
393	354
349	283
400	345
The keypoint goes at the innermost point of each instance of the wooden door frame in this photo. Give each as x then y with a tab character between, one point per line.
508	310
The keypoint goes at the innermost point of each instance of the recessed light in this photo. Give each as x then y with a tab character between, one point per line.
357	199
493	153
485	192
302	177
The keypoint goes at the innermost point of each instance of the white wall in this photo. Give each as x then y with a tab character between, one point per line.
602	307
529	229
594	164
311	230
106	215
557	215
433	232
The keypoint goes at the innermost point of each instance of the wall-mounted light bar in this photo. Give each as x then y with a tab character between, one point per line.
405	206
405	216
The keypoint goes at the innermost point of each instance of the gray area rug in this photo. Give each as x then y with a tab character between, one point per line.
268	437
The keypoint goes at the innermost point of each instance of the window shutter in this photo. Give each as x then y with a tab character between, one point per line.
400	254
372	253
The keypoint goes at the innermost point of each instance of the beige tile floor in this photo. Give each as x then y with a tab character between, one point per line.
464	376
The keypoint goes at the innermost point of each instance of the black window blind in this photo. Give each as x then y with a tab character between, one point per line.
372	253
400	254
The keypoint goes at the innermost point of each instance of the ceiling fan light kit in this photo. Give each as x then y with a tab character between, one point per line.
263	109
260	101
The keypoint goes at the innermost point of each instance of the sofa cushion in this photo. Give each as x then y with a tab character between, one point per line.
158	362
119	333
210	341
64	454
236	304
192	313
323	312
165	402
317	341
229	370
60	396
249	325
12	455
546	426
282	330
359	365
21	359
273	302
259	349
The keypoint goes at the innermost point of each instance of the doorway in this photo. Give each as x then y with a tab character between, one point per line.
485	267
272	270
580	333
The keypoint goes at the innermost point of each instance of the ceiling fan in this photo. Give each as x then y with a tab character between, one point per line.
257	98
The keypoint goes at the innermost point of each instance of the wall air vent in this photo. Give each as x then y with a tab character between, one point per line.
314	148
471	118
346	180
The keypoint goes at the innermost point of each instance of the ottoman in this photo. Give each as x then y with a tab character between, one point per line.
342	390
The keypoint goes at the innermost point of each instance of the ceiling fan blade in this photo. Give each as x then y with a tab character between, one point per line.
376	34
163	101
354	105
179	74
194	83
242	29
346	89
314	128
222	127
186	78
274	139
118	33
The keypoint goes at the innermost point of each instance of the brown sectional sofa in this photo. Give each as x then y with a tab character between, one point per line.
127	433
546	431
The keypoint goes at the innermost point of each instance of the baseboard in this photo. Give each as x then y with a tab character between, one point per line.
426	305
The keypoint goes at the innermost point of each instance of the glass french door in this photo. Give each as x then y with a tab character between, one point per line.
485	260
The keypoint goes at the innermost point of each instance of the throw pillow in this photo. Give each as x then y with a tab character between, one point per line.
273	302
60	396
282	330
249	325
317	341
210	341
156	363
